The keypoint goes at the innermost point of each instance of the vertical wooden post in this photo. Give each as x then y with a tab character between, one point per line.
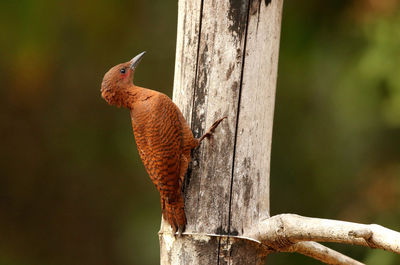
226	65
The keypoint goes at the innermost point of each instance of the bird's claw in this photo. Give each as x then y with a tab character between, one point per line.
210	132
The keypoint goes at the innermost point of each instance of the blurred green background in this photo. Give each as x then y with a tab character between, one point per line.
72	187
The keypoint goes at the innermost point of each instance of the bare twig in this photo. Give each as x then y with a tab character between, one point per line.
282	230
321	253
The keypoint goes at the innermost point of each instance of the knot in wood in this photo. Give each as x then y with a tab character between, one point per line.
280	240
365	234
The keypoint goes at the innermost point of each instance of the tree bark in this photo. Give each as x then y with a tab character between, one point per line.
226	65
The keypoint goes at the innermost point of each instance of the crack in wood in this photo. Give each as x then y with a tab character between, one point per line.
194	153
237	119
197	70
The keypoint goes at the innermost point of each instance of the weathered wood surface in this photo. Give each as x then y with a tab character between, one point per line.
250	194
226	65
216	94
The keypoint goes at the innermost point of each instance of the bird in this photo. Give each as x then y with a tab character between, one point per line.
163	137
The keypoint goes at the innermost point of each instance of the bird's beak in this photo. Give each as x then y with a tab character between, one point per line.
135	61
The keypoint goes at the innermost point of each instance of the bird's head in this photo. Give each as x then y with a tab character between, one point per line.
118	80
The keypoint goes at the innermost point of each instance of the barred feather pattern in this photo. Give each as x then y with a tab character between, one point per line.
163	137
164	141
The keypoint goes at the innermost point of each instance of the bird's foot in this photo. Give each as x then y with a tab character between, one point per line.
177	231
180	230
210	132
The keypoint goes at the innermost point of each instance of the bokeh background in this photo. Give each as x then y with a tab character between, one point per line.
72	187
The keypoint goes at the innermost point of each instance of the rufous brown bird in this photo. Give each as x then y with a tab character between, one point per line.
162	135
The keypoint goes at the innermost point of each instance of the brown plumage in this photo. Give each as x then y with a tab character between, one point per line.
163	137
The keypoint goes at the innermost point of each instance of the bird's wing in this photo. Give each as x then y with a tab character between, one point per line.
159	138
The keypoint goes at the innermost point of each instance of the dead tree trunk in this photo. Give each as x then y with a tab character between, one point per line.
226	65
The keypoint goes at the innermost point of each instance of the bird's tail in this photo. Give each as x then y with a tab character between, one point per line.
173	212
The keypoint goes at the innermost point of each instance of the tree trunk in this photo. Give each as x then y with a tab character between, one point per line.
226	65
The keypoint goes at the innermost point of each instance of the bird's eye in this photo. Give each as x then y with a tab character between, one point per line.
122	71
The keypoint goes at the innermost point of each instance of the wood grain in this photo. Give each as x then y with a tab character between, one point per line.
250	193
